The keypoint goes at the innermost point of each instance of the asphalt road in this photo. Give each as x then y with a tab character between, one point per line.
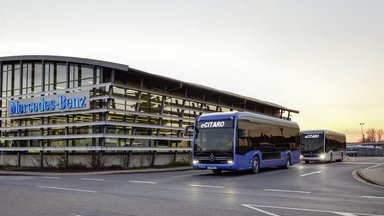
304	189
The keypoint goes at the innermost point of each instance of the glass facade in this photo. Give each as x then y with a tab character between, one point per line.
128	108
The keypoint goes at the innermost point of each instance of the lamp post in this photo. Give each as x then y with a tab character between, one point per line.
362	131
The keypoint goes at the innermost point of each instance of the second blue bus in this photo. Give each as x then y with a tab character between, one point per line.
238	141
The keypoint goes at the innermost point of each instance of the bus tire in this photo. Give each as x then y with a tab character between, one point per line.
216	171
287	162
306	161
255	165
331	158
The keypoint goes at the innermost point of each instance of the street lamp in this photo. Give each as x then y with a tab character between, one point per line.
362	131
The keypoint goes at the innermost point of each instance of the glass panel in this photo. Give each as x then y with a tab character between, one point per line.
5	79
312	142
86	75
27	78
49	76
37	78
61	74
10	84
83	142
57	143
74	80
15	80
215	140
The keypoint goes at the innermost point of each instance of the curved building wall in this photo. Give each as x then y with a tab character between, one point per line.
52	104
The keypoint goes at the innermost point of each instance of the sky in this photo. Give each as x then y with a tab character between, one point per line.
324	58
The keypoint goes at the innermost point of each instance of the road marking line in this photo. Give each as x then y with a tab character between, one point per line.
144	182
344	213
373	197
287	191
50	177
259	210
375	166
311	173
67	189
92	179
360	163
308	210
16	178
206	186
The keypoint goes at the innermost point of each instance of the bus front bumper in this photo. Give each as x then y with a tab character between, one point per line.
199	166
320	157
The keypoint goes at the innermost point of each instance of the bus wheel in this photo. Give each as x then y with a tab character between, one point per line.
288	162
216	171
331	159
307	161
256	165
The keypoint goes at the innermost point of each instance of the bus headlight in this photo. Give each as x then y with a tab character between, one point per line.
322	156
301	156
230	162
195	161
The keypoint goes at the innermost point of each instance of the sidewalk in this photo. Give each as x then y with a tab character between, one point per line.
373	175
112	172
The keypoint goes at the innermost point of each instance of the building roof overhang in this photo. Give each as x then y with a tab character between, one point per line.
126	68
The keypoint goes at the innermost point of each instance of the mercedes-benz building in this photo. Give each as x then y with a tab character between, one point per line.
59	111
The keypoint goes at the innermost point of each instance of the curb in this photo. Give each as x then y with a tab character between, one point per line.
362	180
368	179
114	172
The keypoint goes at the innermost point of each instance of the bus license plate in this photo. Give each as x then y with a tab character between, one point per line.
211	168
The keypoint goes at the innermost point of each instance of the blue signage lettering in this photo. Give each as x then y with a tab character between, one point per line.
69	101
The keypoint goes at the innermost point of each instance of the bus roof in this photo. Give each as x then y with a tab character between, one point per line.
322	131
228	115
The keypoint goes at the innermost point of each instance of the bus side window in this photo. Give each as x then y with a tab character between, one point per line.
243	142
243	146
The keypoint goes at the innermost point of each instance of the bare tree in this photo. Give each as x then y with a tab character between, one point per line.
371	135
380	133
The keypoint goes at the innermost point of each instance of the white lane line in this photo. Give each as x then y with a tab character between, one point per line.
375	166
373	197
67	189
287	191
144	182
206	186
311	173
16	178
361	163
50	177
259	210
344	213
308	210
92	179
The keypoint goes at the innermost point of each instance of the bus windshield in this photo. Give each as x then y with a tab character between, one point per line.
214	140
312	142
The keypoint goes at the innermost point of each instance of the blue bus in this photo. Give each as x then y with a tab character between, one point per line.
239	141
